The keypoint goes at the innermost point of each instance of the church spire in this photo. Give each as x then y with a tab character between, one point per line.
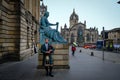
61	27
74	10
85	22
65	26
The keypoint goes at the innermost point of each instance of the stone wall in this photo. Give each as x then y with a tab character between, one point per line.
93	36
29	27
19	24
114	35
9	30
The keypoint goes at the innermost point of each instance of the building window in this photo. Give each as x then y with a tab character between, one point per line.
114	36
22	1
0	13
67	39
67	34
28	46
92	38
80	35
88	37
72	38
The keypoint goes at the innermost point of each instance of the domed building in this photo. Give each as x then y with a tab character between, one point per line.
77	31
73	18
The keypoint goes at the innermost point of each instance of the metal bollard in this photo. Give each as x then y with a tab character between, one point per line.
80	50
92	54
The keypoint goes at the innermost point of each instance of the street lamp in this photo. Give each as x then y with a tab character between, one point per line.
103	34
118	2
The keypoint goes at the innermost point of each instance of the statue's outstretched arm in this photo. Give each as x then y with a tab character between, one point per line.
54	25
50	23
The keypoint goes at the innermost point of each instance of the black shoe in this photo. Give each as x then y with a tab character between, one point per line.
51	75
47	74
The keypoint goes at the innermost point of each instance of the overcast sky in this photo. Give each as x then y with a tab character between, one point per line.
97	13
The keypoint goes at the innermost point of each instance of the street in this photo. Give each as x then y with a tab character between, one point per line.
108	56
29	28
82	67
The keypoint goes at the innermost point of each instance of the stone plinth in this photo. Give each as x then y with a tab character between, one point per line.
61	57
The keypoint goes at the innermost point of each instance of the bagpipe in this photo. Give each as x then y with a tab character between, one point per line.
50	51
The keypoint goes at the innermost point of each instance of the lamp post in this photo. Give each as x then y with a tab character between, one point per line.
118	2
103	35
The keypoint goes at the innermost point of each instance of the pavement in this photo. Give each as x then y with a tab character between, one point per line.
108	56
82	67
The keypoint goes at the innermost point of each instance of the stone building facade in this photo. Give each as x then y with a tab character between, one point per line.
114	34
77	32
19	24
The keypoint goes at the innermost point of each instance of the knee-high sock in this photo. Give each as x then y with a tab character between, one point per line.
46	68
51	69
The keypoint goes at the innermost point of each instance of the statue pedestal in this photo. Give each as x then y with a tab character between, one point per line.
61	57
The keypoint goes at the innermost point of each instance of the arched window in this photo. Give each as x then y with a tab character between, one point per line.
88	37
28	46
80	35
92	38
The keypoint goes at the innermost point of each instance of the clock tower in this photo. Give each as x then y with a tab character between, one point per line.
73	19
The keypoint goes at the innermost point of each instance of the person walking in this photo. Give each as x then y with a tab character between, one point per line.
47	51
35	48
73	49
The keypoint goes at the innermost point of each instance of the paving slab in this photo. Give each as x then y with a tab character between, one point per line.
82	67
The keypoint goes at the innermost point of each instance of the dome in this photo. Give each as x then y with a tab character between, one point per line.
74	15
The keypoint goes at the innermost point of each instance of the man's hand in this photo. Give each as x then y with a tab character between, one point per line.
48	51
57	26
57	23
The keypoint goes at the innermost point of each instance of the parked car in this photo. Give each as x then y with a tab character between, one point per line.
89	46
93	46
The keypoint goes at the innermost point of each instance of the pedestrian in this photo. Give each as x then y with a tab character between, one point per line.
47	51
35	48
73	49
